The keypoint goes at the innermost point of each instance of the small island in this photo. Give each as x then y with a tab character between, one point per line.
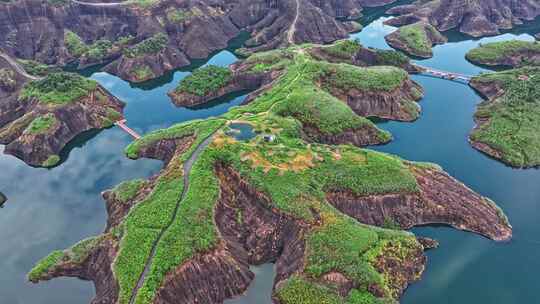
416	39
508	122
476	18
41	115
281	195
510	53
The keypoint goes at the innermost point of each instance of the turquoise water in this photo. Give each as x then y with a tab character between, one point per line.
52	209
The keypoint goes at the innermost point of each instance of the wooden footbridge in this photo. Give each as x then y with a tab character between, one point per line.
445	74
123	126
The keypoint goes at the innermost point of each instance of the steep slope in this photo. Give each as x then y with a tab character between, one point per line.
221	204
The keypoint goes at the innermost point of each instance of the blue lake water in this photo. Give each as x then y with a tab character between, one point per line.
52	209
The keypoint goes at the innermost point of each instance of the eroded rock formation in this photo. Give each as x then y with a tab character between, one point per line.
473	17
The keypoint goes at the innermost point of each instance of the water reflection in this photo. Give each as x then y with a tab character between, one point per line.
53	209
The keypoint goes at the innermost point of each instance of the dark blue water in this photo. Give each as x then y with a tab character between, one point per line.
52	209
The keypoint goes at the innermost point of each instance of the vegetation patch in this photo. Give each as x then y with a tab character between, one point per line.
510	124
51	161
176	15
76	254
345	49
128	190
205	80
43	266
417	38
151	45
345	77
7	79
391	57
42	124
74	44
58	88
143	72
496	53
35	68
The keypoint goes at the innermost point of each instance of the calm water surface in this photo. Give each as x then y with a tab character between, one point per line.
52	209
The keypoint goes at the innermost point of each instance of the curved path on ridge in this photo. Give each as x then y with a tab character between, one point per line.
186	171
102	4
292	29
17	67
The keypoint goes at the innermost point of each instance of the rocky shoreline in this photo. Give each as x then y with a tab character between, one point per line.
264	234
476	18
279	197
36	131
194	30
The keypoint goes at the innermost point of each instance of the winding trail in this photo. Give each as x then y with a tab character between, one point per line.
292	29
186	171
17	67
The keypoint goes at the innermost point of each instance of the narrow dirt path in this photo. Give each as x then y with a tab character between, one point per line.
292	29
186	171
18	68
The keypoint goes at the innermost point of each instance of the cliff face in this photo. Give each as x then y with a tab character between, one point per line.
37	30
363	136
476	18
36	132
442	200
398	104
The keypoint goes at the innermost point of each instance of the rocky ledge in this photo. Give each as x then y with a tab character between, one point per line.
38	117
507	122
220	205
510	53
476	18
416	39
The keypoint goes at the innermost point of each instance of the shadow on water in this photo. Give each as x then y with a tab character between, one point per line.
224	99
78	142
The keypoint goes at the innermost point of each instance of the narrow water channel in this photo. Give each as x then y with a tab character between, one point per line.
52	209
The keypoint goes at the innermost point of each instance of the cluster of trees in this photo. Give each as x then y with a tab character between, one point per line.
205	80
151	45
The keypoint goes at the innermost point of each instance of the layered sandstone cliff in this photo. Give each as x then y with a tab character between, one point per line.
97	33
